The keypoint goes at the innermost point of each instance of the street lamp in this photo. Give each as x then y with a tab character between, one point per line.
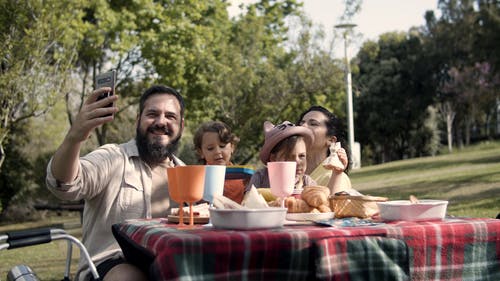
350	120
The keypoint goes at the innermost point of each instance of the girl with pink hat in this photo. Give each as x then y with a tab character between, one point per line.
284	142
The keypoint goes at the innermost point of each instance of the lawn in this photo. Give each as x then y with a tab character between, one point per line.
468	178
47	260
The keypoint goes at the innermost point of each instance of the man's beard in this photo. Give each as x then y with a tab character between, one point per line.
153	152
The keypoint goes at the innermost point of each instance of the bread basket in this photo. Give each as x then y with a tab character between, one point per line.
361	206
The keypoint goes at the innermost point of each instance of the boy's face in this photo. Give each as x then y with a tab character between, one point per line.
297	154
214	151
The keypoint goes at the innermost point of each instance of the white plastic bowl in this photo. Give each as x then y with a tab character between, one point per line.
425	209
248	218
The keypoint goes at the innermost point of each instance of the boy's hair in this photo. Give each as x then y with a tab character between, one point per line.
160	89
221	128
274	134
285	146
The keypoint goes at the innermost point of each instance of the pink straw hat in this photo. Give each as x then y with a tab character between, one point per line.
274	134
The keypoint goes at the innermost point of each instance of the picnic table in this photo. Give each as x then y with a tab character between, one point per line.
451	249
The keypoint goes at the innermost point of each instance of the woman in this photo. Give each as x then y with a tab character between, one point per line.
327	130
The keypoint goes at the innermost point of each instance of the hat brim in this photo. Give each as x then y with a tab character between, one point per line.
265	152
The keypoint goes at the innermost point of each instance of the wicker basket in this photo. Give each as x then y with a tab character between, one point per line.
363	206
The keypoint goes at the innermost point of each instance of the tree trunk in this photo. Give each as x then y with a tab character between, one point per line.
447	112
468	126
2	156
449	125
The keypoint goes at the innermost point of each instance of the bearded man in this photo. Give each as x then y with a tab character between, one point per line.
118	181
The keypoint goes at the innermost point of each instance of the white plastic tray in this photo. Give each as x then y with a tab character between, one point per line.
426	209
247	218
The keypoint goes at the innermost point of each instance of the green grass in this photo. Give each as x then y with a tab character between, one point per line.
468	178
47	260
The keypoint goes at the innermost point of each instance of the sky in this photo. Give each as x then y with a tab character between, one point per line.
376	16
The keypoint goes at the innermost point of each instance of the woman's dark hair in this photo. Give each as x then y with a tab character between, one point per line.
160	89
221	128
334	127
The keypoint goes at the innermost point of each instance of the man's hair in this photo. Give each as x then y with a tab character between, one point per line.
160	89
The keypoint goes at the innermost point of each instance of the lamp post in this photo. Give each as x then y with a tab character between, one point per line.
350	120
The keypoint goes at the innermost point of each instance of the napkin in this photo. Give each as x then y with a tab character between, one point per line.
333	162
222	202
252	200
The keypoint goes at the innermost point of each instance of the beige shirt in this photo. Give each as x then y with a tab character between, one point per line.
116	185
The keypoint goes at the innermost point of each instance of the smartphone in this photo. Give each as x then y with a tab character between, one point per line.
107	79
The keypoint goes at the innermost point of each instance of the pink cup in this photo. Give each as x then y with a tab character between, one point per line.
282	177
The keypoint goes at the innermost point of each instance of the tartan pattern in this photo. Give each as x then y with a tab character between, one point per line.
454	249
461	249
363	258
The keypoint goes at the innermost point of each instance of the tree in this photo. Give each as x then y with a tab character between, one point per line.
448	114
39	43
471	92
395	93
460	44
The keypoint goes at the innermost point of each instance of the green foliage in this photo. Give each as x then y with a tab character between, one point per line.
242	70
225	68
38	49
16	177
395	93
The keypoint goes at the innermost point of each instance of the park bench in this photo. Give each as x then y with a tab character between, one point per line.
64	206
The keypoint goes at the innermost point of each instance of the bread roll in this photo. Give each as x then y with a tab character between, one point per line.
316	196
295	205
324	209
266	193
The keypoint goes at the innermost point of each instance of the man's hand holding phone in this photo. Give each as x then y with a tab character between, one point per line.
106	80
103	103
93	114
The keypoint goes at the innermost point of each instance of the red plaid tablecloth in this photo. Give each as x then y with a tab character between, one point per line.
454	249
